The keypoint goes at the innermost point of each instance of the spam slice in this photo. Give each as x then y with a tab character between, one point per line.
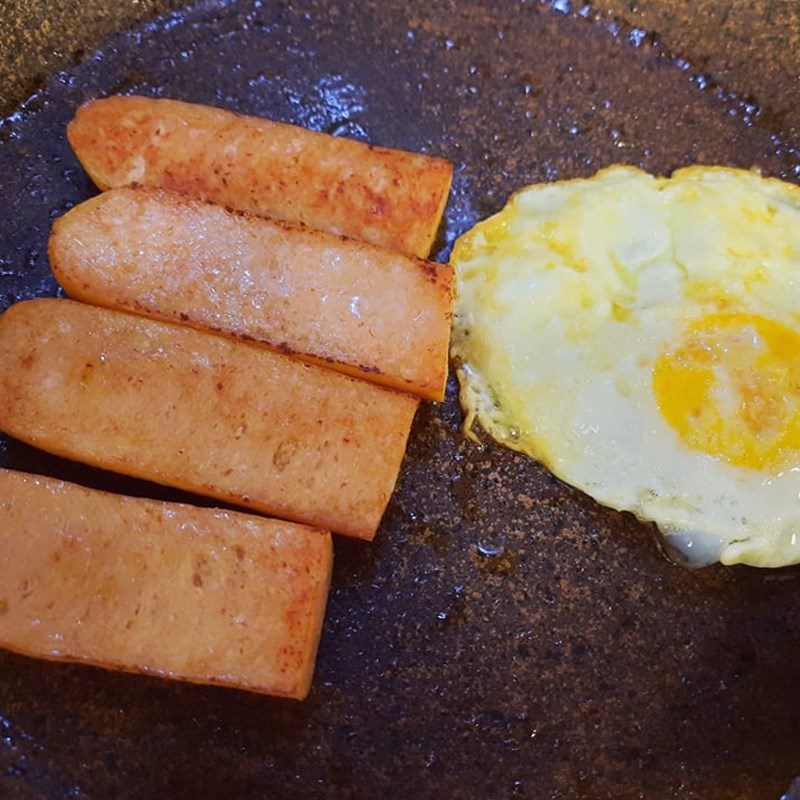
360	309
201	412
388	197
197	594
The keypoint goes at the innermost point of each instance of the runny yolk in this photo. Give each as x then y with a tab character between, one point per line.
731	389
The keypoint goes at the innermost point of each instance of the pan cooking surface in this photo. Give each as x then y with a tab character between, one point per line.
504	636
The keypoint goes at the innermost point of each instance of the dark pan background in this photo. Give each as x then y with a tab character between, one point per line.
504	636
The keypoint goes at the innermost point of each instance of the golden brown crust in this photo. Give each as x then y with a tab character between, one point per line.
387	197
164	589
201	412
363	310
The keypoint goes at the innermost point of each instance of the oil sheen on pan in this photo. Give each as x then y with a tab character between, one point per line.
504	636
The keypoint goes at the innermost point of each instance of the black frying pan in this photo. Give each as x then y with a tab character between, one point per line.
504	636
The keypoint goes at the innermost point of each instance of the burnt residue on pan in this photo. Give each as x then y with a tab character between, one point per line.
504	636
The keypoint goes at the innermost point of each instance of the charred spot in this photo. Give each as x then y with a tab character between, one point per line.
197	579
184	317
238	551
379	203
431	271
285	349
220	386
368	368
285	224
284	453
86	372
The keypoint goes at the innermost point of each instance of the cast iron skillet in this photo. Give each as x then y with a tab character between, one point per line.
504	636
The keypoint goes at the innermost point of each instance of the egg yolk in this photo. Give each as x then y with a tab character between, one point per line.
732	390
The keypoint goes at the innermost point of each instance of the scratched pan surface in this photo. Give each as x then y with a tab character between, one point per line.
504	636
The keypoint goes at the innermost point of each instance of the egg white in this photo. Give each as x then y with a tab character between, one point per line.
567	298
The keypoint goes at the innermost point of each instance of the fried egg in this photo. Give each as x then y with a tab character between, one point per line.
640	336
